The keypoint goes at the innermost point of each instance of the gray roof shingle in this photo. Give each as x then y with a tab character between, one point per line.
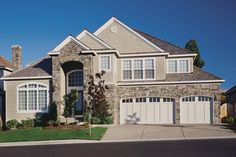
42	67
166	46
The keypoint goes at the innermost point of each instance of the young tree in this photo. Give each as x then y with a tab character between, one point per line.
97	103
70	103
193	46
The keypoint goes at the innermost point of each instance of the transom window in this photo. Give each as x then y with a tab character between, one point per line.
32	97
75	78
105	63
138	69
178	66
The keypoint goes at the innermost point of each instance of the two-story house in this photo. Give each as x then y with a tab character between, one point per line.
150	80
5	69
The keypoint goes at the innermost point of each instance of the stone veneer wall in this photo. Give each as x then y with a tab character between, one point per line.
70	52
114	94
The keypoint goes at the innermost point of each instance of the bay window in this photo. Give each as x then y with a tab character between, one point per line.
32	97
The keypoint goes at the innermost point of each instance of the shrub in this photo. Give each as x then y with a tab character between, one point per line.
86	116
44	119
28	123
107	120
96	120
232	121
12	124
50	122
56	123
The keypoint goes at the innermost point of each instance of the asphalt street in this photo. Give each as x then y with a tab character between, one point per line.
180	148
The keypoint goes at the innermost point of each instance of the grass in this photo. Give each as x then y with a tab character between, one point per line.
39	134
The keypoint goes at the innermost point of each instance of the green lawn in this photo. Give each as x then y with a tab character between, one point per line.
39	134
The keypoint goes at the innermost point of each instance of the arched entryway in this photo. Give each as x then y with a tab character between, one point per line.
74	79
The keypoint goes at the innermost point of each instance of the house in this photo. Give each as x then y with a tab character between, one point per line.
5	69
231	99
150	81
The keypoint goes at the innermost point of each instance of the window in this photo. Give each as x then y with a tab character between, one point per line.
127	70
183	66
32	97
149	68
138	69
105	63
178	66
172	66
75	78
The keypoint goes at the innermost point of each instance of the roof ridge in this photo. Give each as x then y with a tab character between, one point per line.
162	40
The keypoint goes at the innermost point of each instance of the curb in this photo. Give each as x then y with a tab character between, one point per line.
61	142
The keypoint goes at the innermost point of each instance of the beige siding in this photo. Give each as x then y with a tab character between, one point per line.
160	68
108	77
90	42
11	99
191	64
123	40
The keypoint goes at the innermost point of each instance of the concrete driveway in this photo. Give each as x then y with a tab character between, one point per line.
156	132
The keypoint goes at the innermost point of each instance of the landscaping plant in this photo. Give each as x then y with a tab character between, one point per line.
69	103
12	124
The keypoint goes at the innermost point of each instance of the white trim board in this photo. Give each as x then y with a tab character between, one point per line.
26	78
99	30
166	82
66	41
84	32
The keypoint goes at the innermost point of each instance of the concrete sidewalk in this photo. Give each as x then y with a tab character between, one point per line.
152	132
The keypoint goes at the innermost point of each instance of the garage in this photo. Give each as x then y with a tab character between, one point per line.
196	110
147	110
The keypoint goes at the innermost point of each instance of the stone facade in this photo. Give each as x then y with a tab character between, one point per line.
71	52
169	91
16	57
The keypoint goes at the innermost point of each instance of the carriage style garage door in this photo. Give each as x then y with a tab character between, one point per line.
196	109
152	110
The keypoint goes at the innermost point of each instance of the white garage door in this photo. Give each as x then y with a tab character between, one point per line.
152	110
196	109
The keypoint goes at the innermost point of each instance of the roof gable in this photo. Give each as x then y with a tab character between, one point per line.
92	41
123	38
56	50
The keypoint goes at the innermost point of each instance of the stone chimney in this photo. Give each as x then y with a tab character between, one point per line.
16	57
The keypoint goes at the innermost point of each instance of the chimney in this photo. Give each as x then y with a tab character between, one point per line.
16	57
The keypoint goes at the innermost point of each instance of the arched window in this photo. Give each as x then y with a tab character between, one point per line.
32	97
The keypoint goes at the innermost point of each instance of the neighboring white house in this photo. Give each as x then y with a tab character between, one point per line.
150	81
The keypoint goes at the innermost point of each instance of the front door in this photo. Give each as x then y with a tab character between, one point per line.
75	81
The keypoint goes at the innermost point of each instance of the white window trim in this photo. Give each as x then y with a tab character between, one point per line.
178	67
80	88
27	89
132	69
100	69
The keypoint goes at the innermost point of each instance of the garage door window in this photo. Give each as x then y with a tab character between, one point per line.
168	100
203	98
127	100
154	99
140	99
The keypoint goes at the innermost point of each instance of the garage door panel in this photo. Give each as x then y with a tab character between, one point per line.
148	111
195	110
136	112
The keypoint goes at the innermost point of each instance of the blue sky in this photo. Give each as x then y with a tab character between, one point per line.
38	26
